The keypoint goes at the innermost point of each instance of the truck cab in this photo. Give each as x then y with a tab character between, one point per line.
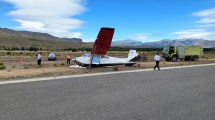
169	53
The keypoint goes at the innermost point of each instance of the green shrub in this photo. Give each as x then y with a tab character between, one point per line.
62	64
1	63
26	67
2	67
8	53
20	53
181	64
115	68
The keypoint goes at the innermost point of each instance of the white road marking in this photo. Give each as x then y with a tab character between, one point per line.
93	74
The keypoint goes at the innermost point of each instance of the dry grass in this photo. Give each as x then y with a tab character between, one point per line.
21	65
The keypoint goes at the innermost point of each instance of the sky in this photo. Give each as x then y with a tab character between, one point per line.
141	20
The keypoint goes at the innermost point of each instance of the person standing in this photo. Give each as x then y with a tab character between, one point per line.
157	60
68	58
39	58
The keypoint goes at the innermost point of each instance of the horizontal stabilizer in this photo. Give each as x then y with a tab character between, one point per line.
133	56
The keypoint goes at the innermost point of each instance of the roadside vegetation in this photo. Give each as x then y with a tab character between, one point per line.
2	66
23	63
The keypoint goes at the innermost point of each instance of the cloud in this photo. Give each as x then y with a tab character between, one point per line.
142	37
88	40
55	17
206	26
207	16
205	13
195	33
206	20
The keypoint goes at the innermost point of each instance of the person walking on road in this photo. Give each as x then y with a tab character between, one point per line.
157	60
39	58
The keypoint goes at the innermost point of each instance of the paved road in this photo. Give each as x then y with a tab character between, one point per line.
176	94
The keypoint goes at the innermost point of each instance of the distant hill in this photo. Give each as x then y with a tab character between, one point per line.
37	35
167	42
11	38
126	43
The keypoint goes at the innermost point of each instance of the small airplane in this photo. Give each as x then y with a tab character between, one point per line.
98	56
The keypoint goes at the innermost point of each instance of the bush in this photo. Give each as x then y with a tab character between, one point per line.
2	67
1	63
62	64
115	68
8	53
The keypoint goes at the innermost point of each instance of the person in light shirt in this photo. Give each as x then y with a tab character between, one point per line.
39	58
157	60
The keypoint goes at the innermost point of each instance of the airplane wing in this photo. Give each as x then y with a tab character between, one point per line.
103	41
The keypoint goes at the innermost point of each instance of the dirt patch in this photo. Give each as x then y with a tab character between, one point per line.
24	65
27	68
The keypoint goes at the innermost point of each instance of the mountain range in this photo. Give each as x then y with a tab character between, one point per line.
36	35
165	42
26	39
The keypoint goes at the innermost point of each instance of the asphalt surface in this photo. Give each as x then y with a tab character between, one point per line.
175	94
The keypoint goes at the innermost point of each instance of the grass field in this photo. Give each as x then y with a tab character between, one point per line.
23	64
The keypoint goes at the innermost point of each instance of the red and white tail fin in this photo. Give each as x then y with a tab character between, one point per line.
103	41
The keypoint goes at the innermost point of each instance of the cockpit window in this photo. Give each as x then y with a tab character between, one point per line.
104	56
86	55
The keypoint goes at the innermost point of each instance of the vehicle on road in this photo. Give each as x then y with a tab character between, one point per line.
52	56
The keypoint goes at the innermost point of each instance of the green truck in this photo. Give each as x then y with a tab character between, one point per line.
187	53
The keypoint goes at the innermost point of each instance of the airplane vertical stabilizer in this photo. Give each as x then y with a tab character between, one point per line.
103	41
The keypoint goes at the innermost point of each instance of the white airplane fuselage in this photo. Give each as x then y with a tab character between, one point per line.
105	60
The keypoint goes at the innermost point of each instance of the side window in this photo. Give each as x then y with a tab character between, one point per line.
171	50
